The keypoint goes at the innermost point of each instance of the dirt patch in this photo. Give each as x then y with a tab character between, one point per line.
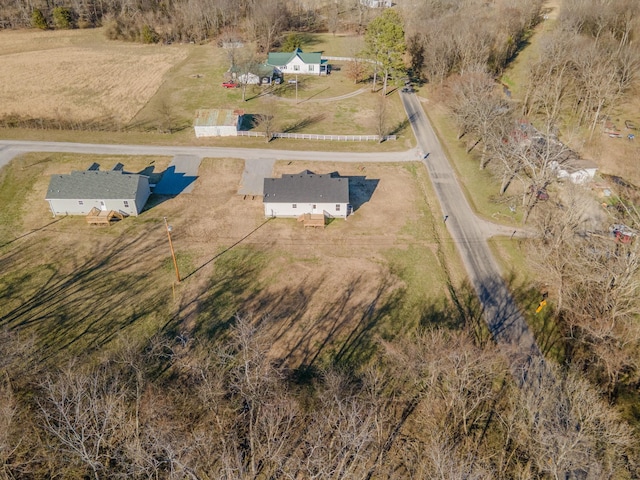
618	155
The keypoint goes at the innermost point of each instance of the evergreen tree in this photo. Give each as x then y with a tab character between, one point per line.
385	43
292	42
63	18
38	20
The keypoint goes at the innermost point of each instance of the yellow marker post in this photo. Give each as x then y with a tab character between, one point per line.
541	306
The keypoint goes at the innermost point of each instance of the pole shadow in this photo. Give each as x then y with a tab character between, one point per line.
227	249
35	230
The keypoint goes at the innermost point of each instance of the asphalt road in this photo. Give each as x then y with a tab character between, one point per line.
11	148
505	321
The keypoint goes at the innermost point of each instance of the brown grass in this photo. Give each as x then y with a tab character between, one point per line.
139	87
325	293
79	75
614	156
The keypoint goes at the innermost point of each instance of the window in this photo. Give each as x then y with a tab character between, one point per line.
295	205
337	207
311	68
296	67
314	206
80	202
126	204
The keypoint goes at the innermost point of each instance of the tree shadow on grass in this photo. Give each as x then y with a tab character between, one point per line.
79	310
400	127
250	121
226	250
304	123
308	40
311	331
235	280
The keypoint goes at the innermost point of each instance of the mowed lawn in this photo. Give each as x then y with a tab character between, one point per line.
80	76
327	294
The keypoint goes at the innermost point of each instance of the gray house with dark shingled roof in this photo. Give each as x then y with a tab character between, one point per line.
80	191
306	192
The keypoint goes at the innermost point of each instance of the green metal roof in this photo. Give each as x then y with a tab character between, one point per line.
95	184
277	59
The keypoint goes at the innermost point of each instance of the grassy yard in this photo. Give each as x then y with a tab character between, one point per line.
327	295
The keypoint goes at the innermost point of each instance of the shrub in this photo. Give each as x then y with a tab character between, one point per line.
149	35
38	20
112	28
63	18
292	42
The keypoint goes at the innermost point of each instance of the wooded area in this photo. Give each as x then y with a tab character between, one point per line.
438	404
582	71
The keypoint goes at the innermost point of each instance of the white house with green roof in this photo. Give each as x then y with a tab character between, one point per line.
78	192
298	62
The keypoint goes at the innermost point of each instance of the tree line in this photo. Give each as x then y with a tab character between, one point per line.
438	404
188	20
583	69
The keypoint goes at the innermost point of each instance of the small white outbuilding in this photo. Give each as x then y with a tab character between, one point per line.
577	171
217	122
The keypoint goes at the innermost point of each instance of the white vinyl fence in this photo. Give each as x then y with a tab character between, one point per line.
314	136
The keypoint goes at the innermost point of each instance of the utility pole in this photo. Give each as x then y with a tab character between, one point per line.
173	254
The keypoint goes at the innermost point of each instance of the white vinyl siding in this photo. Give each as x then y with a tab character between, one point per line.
294	210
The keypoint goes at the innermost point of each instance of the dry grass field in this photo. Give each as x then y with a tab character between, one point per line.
78	74
327	294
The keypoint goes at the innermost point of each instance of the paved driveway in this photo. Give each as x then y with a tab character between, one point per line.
255	171
180	176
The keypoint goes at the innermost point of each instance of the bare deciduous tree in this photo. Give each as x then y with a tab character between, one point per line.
85	411
267	118
568	429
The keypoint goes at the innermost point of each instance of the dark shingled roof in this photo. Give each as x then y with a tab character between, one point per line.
94	184
306	187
